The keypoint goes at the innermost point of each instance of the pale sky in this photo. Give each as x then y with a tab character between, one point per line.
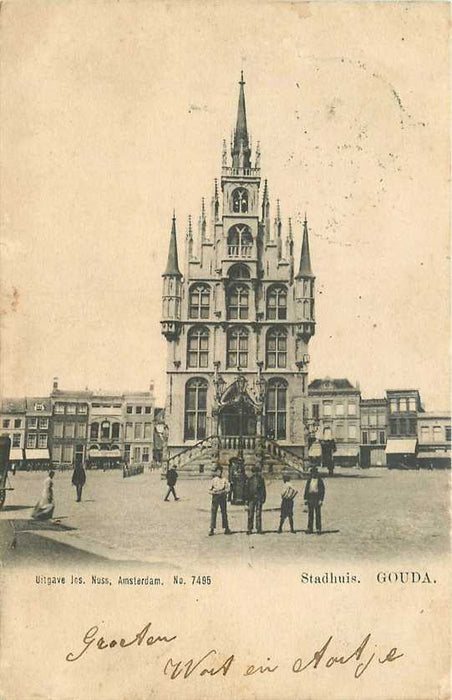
114	113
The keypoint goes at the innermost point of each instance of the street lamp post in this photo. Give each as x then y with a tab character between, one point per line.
241	382
308	429
261	389
163	431
219	386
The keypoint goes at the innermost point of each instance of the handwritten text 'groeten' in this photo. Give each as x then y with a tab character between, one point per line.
214	663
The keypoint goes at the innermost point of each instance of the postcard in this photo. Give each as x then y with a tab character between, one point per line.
225	424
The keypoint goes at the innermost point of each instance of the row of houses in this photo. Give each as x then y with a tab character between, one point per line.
99	429
105	430
393	431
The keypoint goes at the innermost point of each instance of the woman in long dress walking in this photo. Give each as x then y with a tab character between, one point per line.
44	508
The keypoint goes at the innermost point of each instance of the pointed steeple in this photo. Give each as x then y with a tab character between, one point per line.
264	202
257	164
289	250
289	241
172	265
189	242
215	206
305	258
202	221
241	144
277	221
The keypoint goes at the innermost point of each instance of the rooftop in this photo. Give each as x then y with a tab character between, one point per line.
329	384
13	405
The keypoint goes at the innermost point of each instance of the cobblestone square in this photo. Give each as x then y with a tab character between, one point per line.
367	515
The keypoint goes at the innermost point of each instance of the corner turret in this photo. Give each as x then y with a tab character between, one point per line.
172	290
305	290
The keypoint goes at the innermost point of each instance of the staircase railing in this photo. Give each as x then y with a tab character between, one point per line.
180	459
232	442
271	447
285	455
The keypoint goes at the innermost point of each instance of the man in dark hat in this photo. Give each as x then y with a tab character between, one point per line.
78	479
219	489
171	478
314	494
255	497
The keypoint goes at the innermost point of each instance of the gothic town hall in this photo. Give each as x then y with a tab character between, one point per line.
238	320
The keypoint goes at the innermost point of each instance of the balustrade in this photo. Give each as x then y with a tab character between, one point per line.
254	172
233	442
240	251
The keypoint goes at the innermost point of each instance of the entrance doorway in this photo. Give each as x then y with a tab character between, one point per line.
238	420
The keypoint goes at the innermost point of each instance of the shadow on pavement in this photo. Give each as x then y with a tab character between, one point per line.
275	532
10	508
337	475
30	549
20	525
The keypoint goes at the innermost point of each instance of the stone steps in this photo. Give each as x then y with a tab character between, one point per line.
201	466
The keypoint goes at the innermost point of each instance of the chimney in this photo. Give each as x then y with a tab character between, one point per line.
55	383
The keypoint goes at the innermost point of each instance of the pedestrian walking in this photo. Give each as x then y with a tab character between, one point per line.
78	479
314	494
44	508
219	489
288	494
171	478
256	495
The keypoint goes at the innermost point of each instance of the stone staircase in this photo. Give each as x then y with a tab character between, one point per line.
197	462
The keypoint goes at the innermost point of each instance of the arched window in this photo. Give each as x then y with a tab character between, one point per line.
199	301
239	272
276	355
276	409
198	347
195	409
115	431
240	201
237	348
277	303
105	430
94	431
240	241
238	302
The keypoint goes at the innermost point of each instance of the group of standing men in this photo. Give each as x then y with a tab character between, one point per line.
255	496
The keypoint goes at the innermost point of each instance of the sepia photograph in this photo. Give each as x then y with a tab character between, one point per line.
225	350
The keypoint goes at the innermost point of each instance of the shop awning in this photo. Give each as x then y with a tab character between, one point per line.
346	451
432	454
315	450
395	446
37	454
104	454
16	453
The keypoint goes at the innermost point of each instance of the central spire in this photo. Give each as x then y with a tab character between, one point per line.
241	150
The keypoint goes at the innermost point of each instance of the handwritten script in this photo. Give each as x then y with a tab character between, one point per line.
214	662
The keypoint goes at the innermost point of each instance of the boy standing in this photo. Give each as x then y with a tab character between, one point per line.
219	489
288	494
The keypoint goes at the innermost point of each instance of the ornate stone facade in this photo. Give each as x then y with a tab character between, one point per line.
239	320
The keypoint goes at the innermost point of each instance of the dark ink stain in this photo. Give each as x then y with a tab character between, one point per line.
15	300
